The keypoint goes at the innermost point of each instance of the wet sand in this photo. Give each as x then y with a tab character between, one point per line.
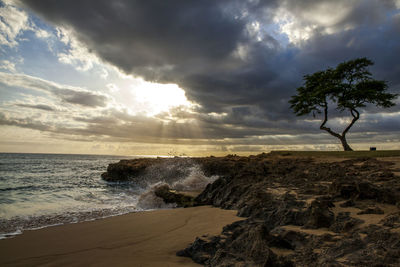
138	239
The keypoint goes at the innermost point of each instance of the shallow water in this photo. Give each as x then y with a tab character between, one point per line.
37	190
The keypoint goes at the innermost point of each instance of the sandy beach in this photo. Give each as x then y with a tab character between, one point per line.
138	239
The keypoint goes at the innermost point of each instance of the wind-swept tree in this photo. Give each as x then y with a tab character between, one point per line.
349	86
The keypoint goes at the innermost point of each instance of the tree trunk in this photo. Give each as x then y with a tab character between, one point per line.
346	146
342	137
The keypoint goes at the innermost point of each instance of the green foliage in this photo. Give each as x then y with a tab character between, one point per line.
312	96
349	85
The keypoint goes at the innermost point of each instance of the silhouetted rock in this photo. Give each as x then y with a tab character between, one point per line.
125	169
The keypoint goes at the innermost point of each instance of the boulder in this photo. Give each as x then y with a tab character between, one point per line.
170	196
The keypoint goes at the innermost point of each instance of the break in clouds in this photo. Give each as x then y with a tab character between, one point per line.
240	61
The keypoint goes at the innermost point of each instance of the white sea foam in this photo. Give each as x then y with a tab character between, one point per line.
10	235
195	181
148	200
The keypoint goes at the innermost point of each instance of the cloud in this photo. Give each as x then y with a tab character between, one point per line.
301	20
75	53
214	49
40	33
13	22
239	60
23	123
83	98
7	65
112	125
38	106
67	94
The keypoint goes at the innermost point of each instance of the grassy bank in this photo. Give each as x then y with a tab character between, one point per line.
340	154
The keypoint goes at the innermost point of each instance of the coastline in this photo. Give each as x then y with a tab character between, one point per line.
148	238
294	211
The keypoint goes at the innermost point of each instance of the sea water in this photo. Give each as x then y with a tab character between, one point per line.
39	190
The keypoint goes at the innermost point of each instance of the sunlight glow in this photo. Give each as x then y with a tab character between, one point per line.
154	98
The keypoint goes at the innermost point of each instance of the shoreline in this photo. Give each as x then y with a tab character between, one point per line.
52	219
296	211
148	238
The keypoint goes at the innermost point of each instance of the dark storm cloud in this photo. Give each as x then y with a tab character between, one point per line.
211	49
142	34
192	43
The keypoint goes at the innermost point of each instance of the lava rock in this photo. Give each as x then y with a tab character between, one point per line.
275	191
320	215
344	223
372	210
169	196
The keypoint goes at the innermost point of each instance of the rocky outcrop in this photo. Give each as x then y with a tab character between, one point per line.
171	196
304	213
299	212
126	169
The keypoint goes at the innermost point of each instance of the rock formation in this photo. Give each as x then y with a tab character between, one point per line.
299	212
171	196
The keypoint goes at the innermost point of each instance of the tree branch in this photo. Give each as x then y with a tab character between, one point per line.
322	127
356	116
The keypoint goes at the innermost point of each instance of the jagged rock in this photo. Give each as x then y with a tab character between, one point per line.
288	239
348	203
243	243
320	215
169	196
274	192
344	247
372	210
379	248
200	250
365	190
344	223
125	169
392	220
344	189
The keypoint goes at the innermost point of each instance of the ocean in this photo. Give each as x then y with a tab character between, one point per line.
40	190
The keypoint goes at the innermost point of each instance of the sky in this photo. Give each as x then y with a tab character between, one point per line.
181	77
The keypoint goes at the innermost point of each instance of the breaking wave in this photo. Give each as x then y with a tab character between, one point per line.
180	174
45	190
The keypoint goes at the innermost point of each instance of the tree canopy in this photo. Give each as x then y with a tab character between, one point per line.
350	86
